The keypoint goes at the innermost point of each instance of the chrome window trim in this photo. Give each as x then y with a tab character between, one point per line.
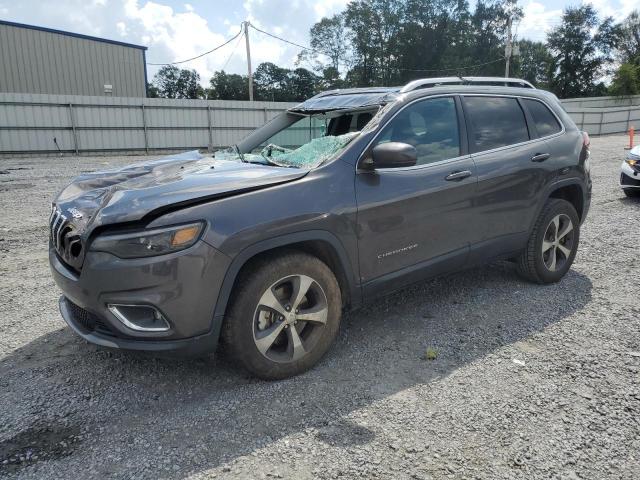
470	155
513	145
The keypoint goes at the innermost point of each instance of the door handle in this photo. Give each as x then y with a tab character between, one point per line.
457	175
540	157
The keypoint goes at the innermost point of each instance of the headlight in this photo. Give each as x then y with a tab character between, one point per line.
149	243
633	162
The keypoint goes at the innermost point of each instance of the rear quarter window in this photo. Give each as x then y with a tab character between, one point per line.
544	120
494	122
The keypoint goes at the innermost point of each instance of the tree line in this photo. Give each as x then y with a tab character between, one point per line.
390	42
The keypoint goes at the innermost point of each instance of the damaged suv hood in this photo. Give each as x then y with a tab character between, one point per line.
130	193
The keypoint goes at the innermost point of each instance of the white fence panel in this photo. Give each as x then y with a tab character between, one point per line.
30	122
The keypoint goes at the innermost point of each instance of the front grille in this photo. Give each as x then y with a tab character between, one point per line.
65	239
88	320
57	222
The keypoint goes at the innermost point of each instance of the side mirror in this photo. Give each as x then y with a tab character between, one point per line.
392	155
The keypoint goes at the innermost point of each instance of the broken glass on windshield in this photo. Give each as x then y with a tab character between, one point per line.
307	142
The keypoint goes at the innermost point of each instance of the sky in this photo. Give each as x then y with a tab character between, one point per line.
175	30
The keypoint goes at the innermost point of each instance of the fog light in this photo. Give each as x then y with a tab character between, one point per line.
141	318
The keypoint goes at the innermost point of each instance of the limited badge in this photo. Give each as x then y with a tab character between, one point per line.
75	213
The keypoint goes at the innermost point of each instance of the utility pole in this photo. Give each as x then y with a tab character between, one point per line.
508	47
246	37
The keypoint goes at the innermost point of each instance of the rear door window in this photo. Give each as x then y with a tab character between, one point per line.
494	122
545	122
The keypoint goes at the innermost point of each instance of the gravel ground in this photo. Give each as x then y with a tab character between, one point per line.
529	381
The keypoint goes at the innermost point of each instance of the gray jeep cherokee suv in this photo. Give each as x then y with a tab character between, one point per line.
349	195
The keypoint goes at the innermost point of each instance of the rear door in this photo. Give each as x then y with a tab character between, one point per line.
511	172
416	220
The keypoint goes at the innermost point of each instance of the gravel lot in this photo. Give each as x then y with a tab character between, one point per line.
529	381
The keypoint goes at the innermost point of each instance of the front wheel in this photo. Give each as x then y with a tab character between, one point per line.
284	316
553	243
632	192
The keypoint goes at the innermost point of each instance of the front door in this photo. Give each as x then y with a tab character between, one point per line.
416	221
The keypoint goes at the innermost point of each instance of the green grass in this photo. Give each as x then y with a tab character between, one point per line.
430	354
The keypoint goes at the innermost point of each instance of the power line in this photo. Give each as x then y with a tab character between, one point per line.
383	68
282	39
202	54
235	47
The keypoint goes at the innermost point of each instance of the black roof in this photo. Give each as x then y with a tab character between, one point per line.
347	98
350	98
71	34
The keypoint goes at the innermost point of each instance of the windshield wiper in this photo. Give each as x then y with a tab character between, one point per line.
240	154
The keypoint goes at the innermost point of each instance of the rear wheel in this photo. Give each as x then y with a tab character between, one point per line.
284	316
552	246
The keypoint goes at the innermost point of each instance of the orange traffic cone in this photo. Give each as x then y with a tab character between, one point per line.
631	134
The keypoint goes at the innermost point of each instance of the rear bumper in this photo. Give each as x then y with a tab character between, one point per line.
182	286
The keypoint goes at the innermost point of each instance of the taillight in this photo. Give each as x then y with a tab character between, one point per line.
586	152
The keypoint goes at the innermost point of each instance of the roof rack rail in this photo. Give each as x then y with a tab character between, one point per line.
494	81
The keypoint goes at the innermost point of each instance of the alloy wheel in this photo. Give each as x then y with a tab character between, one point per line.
558	242
290	318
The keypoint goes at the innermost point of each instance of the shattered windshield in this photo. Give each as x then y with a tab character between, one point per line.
306	141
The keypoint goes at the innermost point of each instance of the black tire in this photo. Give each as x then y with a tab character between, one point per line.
534	264
246	315
632	192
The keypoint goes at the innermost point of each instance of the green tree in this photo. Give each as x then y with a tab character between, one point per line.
330	79
487	36
579	46
534	63
628	45
172	82
270	82
433	39
301	84
328	39
626	80
166	81
374	26
189	85
152	91
225	86
278	84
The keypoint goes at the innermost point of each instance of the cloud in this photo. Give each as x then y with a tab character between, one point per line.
122	29
537	21
618	10
175	31
289	19
175	35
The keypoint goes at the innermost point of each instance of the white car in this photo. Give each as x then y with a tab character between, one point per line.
630	173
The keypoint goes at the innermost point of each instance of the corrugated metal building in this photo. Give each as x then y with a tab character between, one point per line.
43	60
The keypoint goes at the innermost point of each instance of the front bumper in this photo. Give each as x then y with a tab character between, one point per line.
183	286
629	177
200	345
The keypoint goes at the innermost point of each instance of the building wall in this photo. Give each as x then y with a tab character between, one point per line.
38	61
